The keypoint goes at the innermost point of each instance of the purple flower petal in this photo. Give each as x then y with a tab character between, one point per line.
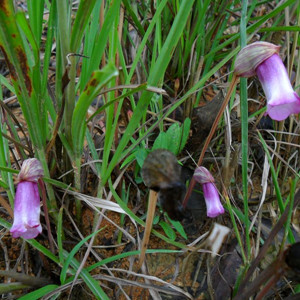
212	199
210	192
262	59
281	98
26	211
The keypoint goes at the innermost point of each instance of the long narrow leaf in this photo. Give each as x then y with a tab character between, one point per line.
39	293
101	40
154	77
82	17
69	258
95	84
89	280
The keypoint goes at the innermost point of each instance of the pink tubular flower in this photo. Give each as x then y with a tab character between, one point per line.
212	199
27	201
262	59
282	100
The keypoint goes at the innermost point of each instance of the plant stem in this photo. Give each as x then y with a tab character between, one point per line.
52	206
244	124
77	169
211	134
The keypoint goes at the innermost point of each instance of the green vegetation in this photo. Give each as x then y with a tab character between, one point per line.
149	65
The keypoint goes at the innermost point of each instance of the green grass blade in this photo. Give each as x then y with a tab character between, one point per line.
68	259
155	77
60	235
38	294
82	17
36	14
91	34
48	46
13	49
244	124
101	41
98	80
10	287
252	28
6	83
273	173
22	22
6	176
281	204
89	280
127	254
141	87
12	46
93	284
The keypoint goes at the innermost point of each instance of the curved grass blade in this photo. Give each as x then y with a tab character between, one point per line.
101	41
155	77
88	279
70	256
39	293
60	235
98	80
82	17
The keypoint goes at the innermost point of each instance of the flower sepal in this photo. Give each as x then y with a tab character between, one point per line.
31	170
251	56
